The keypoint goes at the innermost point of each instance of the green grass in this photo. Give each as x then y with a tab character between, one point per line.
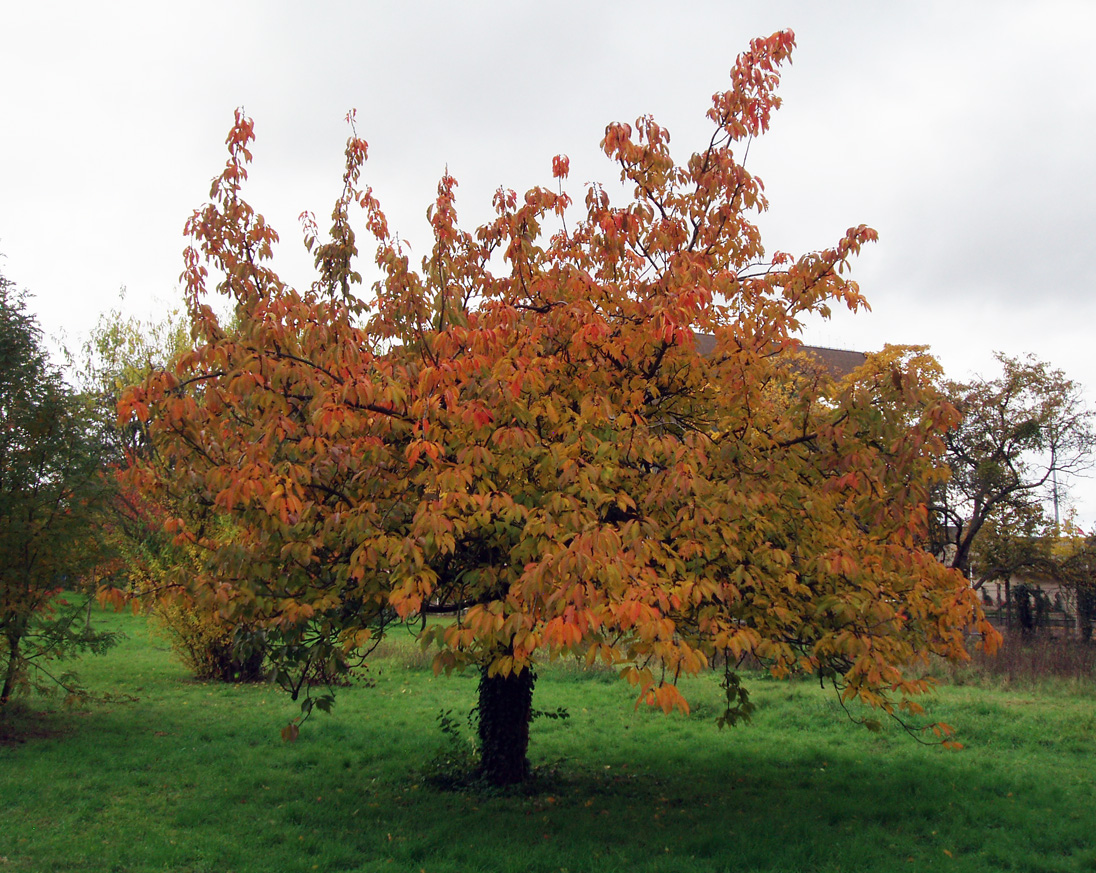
194	777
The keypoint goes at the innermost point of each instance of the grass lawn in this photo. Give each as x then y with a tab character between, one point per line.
195	777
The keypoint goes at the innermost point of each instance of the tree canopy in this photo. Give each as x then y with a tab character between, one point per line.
517	444
1020	433
51	493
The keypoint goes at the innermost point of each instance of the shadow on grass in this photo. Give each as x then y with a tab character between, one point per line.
728	805
21	723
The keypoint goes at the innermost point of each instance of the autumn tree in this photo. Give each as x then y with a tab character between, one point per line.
50	494
1022	434
517	445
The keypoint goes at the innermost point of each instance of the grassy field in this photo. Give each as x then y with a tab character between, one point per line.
195	777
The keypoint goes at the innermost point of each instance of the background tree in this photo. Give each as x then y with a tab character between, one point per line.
120	351
1022	433
1075	569
520	438
51	494
1017	538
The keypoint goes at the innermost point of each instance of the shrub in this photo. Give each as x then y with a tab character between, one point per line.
209	647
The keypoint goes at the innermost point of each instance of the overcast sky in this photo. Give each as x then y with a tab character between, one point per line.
962	131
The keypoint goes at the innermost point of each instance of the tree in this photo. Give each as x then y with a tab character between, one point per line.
519	445
120	351
1017	538
1075	569
1021	433
50	492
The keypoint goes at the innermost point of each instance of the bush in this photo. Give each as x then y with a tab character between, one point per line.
208	647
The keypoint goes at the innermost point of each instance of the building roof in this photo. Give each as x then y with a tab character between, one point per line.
840	362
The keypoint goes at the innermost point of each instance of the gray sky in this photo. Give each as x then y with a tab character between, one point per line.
961	131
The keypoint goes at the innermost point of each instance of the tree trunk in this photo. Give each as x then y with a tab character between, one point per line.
505	711
10	671
1086	609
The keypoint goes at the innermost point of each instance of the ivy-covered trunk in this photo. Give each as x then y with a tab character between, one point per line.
505	711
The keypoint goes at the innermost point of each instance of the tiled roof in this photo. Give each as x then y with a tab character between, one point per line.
840	362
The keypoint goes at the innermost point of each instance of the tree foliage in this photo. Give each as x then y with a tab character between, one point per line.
1021	433
50	494
1075	569
1016	539
517	444
121	351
